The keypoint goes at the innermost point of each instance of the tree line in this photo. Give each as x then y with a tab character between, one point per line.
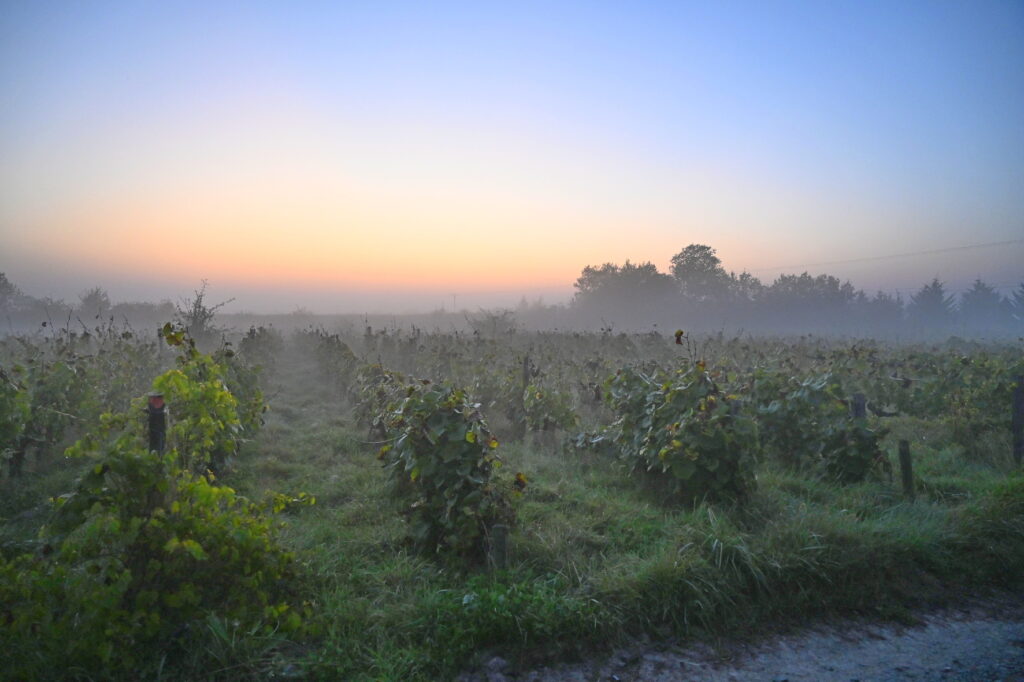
696	293
22	312
700	293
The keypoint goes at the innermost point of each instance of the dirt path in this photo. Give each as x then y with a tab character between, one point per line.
981	642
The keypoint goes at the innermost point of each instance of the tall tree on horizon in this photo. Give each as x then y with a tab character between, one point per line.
931	306
9	292
94	303
631	292
981	306
699	273
883	311
1016	301
745	288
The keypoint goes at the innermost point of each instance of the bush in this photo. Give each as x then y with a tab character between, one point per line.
335	358
806	425
261	345
375	391
14	413
216	403
548	408
683	431
125	575
145	550
441	463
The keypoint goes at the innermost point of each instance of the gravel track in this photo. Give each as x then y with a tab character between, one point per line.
982	641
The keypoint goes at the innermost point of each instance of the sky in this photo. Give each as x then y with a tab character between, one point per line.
346	157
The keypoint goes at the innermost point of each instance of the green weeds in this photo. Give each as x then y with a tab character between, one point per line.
594	558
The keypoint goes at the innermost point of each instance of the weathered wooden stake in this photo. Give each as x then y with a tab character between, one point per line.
860	406
520	428
497	550
906	469
1017	421
157	411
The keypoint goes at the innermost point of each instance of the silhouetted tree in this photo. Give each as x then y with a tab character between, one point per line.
981	307
630	292
142	313
744	287
197	317
931	306
820	289
93	303
9	293
1017	304
700	274
806	299
885	309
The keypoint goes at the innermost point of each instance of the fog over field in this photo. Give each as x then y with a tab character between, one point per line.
461	340
696	293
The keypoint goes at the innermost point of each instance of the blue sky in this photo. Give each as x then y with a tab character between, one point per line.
350	153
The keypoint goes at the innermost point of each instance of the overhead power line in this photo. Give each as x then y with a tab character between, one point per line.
869	259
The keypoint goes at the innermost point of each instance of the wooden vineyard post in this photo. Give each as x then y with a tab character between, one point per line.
157	411
497	549
860	404
1017	421
521	426
906	469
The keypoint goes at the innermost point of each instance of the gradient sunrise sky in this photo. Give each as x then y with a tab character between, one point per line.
361	156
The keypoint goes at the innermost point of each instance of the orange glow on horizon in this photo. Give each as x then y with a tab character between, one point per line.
355	247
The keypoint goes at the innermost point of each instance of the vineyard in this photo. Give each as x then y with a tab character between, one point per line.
398	504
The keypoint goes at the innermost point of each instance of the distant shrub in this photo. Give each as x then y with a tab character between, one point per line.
806	425
335	358
375	391
441	462
682	431
261	345
548	408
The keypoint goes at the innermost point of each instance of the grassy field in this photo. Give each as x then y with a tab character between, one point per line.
595	558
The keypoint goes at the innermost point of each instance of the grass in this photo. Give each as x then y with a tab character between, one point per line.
595	558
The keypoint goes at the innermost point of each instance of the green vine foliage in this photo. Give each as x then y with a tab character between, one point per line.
242	379
57	389
806	425
684	433
375	391
548	408
145	550
207	421
121	366
498	387
979	400
65	381
261	345
441	464
335	357
14	414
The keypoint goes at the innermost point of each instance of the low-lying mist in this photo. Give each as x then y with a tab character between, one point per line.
697	294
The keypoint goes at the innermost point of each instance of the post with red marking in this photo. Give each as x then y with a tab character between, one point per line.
157	422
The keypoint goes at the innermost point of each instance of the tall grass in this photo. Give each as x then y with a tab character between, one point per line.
595	558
